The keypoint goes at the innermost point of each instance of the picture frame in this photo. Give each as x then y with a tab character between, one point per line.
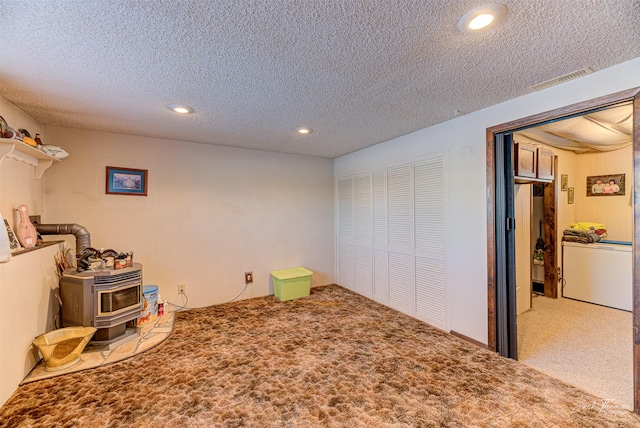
606	185
14	244
571	195
126	181
564	182
538	190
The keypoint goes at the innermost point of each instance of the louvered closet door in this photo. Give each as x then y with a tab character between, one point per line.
429	220
400	235
363	235
392	238
380	250
346	234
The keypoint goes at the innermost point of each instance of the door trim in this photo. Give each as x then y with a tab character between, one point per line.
550	225
574	109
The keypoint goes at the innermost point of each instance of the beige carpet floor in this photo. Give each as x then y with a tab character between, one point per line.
333	359
586	345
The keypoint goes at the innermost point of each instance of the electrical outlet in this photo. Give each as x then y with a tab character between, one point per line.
248	277
182	288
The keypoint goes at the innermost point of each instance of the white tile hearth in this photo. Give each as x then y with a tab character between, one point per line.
146	337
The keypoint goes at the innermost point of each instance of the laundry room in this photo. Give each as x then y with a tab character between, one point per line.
573	241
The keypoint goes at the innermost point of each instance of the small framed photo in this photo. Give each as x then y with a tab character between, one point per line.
538	189
14	244
564	182
571	195
126	181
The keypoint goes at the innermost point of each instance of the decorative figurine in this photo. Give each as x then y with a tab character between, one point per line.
27	234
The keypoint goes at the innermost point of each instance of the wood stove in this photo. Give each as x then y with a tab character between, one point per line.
106	299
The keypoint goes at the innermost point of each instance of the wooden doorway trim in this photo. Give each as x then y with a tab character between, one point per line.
574	109
550	232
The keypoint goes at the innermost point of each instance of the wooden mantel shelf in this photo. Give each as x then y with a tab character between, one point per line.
43	244
16	149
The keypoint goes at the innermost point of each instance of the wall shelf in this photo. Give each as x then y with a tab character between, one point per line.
17	150
43	244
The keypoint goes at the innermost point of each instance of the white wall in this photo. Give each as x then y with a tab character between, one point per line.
28	303
211	214
17	183
28	306
615	212
464	138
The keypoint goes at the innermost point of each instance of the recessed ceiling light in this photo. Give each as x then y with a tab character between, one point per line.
480	21
179	108
304	130
482	17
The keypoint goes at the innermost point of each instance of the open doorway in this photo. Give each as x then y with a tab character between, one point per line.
537	271
582	335
501	260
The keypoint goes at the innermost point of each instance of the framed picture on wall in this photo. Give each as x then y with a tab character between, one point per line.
605	185
564	182
571	195
538	189
126	181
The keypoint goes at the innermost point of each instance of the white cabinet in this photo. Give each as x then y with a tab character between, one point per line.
598	273
15	149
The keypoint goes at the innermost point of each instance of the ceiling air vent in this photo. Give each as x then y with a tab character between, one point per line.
561	79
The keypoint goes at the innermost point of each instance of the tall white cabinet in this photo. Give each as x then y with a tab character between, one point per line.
391	246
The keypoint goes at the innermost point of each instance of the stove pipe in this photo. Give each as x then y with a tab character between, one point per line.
83	238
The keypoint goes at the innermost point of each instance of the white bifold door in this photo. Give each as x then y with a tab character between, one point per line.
391	237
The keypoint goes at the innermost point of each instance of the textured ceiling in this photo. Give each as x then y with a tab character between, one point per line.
359	72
